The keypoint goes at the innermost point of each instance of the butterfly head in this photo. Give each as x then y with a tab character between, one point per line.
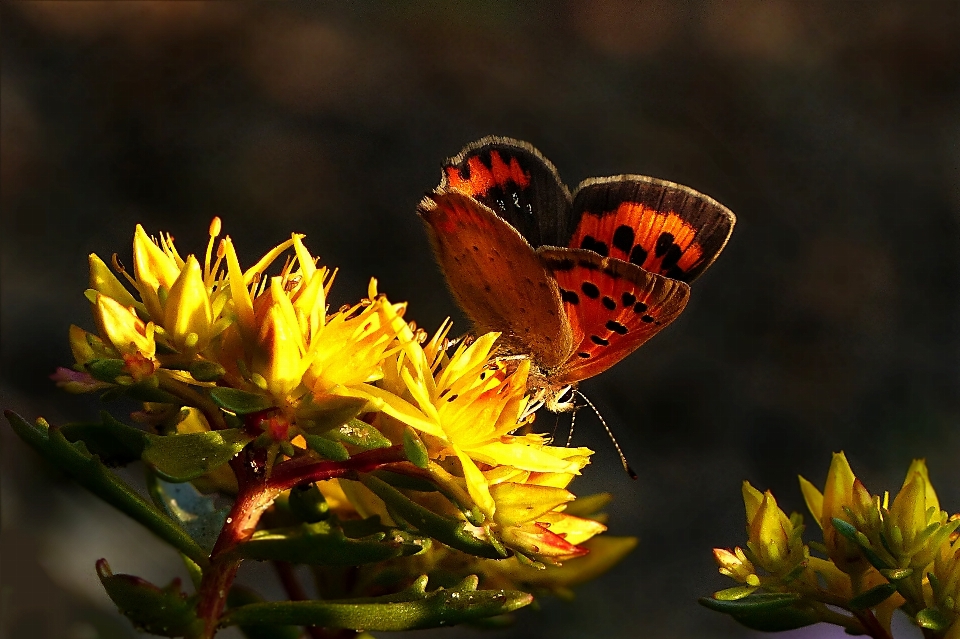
556	397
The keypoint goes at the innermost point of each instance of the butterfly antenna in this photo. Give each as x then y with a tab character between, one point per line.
623	458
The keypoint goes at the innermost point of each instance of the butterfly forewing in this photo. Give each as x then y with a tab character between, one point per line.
517	183
661	226
496	277
613	307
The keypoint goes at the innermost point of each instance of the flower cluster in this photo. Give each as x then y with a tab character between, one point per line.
878	557
239	369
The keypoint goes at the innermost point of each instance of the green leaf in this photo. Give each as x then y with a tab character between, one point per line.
406	482
89	472
106	370
239	401
414	448
845	528
873	597
756	602
328	449
411	609
322	544
198	514
186	456
160	611
849	531
735	593
933	619
206	371
330	412
360	434
452	532
767	612
240	596
896	574
115	443
308	504
147	391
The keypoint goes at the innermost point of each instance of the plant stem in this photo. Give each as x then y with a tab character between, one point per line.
872	626
257	493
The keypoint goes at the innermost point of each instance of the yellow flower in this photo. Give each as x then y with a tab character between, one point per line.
842	491
946	571
774	538
914	527
178	307
467	406
289	346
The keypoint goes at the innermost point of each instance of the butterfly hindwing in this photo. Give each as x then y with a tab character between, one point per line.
661	226
517	183
613	307
497	277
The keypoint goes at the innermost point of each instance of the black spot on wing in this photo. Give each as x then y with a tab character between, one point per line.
638	255
616	327
599	341
628	298
608	303
623	238
590	290
590	243
569	296
664	242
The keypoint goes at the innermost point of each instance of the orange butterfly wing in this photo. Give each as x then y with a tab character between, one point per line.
613	306
497	277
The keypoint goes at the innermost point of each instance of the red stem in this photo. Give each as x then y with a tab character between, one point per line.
872	625
257	493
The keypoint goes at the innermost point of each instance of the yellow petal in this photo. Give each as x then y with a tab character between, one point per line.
768	531
575	530
187	310
517	503
476	484
522	456
240	295
920	466
814	499
308	264
909	510
153	269
838	491
106	283
80	346
278	357
387	402
122	328
752	499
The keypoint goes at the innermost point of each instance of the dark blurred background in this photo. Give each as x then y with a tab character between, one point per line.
829	323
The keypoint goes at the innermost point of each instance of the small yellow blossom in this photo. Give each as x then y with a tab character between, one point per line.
842	491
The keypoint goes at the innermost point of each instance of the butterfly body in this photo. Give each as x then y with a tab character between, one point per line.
574	281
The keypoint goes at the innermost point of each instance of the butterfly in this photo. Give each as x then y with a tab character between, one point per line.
574	281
